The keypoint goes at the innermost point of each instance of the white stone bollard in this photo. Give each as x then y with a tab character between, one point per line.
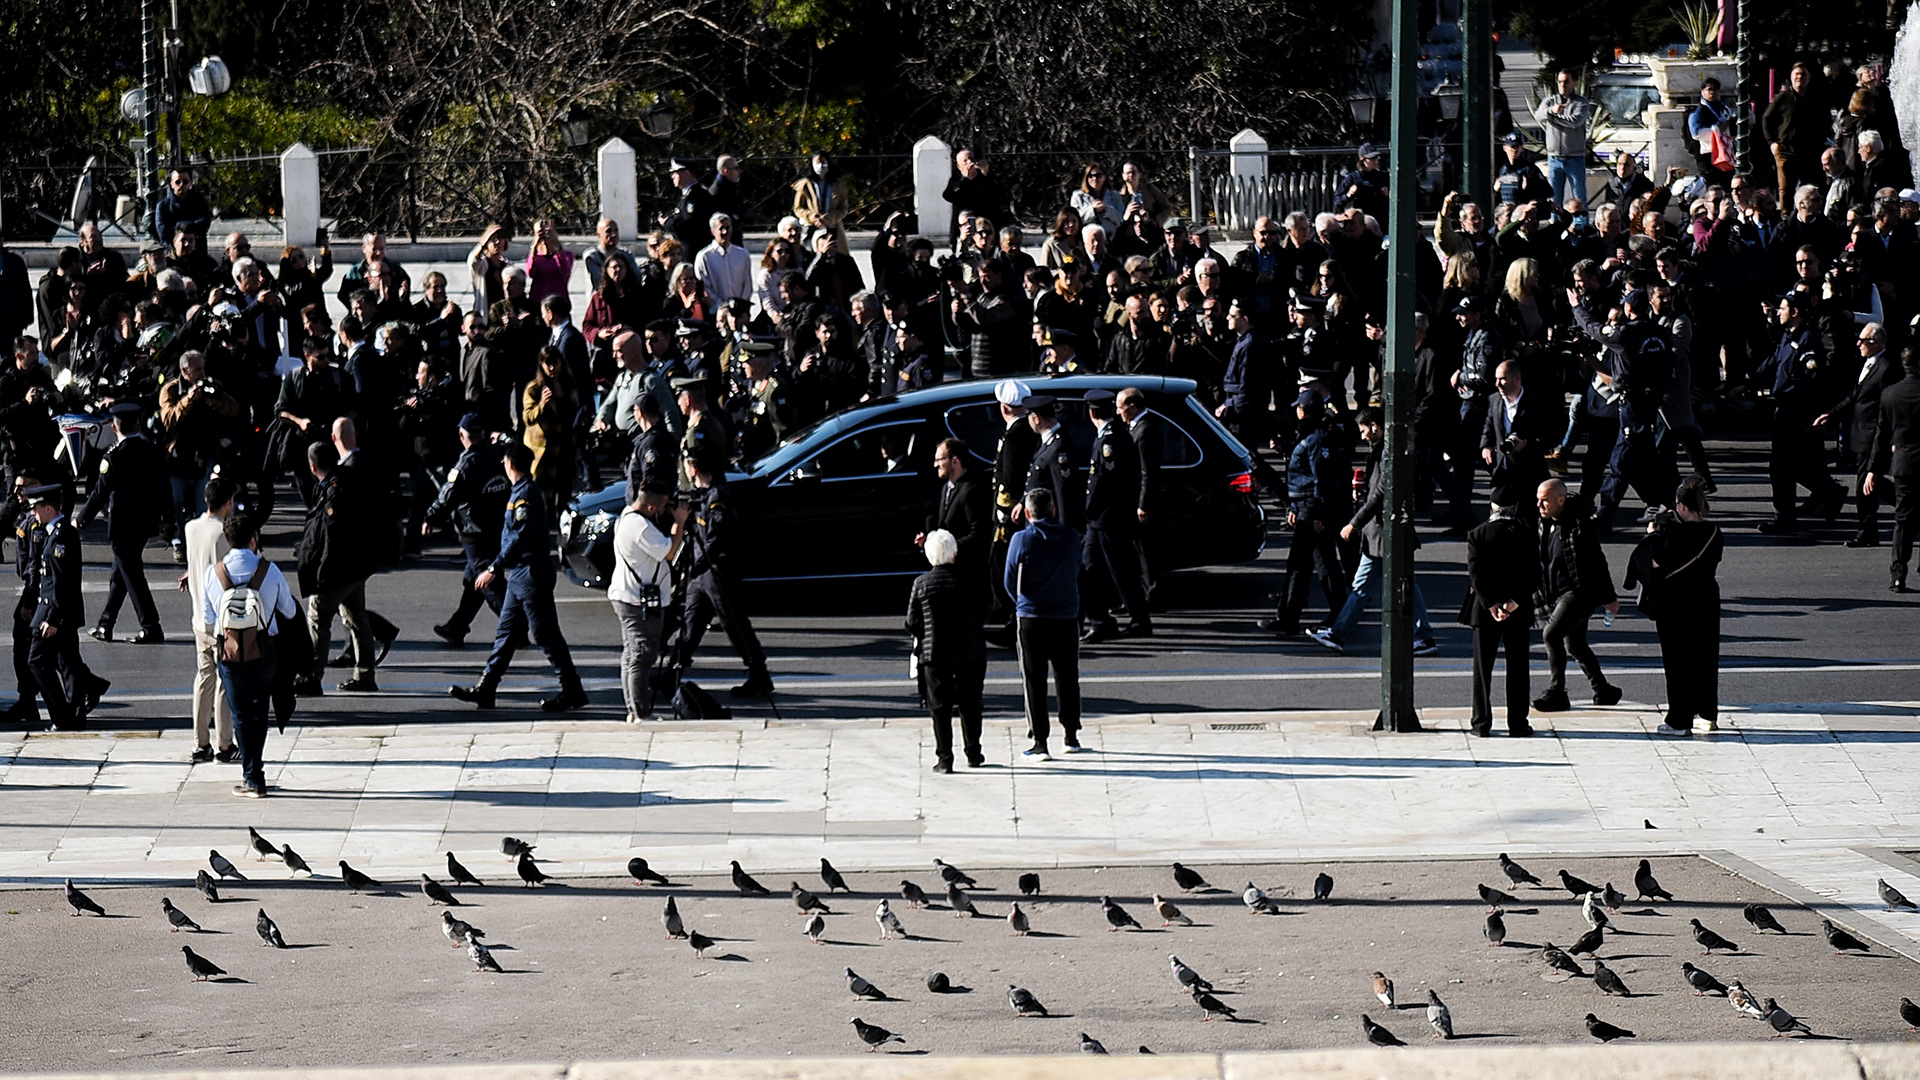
1249	152
620	187
300	194
932	167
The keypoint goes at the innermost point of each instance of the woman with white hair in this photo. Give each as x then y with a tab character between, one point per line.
946	616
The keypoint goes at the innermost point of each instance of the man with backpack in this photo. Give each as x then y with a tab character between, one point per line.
243	598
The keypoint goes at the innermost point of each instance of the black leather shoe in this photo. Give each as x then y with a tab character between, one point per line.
201	755
1552	701
1863	541
976	763
572	698
1898	585
380	649
1778	527
90	698
472	695
1277	626
345	659
943	767
309	687
455	638
1524	731
148	636
1139	629
758	684
361	684
1606	695
101	633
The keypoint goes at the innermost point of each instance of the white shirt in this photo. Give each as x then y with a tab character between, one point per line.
206	540
275	597
726	272
639	558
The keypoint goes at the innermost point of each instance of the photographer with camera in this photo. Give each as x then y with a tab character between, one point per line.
992	321
198	416
643	557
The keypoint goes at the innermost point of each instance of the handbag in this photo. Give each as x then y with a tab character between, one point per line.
1720	149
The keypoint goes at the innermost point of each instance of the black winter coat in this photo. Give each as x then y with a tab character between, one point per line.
947	617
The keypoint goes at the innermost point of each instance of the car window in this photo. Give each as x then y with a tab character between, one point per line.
979	426
876	451
1179	450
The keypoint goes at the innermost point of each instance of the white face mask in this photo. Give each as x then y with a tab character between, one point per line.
819	168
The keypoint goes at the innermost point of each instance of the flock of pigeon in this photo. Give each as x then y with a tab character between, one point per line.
1599	907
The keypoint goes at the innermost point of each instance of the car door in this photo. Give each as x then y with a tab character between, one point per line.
853	506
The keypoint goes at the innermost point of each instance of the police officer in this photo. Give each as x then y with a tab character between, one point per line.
1110	564
474	498
134	489
705	434
1319	494
1643	361
27	538
713	578
656	456
1055	465
769	412
527	564
1797	371
54	656
1013	456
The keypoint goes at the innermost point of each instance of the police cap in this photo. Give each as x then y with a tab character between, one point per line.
473	424
689	382
43	493
126	410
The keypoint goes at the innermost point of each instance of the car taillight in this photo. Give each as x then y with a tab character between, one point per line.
1242	482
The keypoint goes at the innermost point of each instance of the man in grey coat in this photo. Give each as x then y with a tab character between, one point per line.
1564	117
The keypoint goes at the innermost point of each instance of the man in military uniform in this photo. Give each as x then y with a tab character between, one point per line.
706	435
474	498
769	414
713	579
656	456
527	563
27	538
1797	371
1013	456
688	220
1319	494
1110	563
134	489
1055	465
54	656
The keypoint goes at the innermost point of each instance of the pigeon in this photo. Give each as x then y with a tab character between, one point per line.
1023	1002
1781	1021
1494	898
482	957
1592	910
1018	920
81	902
261	849
179	919
1029	884
269	933
1516	873
938	983
1840	939
1709	940
224	868
1762	919
436	893
953	875
889	922
1579	887
1188	978
1169	913
1439	1016
817	925
805	900
201	967
913	894
874	1035
861	988
1559	960
1209	1004
1144	1050
1589	942
1117	917
1647	823
530	875
1496	928
355	880
1743	1001
460	875
295	864
831	878
1645	885
1378	1035
1893	898
1258	902
1702	983
203	881
1604	1031
642	873
514	847
1910	1014
1188	879
1608	981
700	942
960	902
1090	1045
1612	897
1383	989
1323	888
745	883
670	919
457	931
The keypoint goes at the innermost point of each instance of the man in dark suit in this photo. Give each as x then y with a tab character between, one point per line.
1150	438
134	490
1861	405
1514	439
1502	572
1896	456
1110	566
962	511
557	312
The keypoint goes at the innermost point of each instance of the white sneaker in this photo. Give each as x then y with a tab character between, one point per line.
1324	636
1674	732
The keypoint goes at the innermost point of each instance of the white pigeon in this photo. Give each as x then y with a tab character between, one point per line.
889	922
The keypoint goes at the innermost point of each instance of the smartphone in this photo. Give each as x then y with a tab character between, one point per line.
320	236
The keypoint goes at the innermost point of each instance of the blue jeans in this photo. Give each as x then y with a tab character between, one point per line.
1564	173
248	685
1364	591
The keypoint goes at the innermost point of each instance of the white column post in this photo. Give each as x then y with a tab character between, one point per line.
932	166
1249	152
620	187
300	194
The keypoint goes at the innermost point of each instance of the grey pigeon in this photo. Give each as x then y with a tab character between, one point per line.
1090	1045
874	1035
1516	873
1378	1035
1645	885
913	894
643	874
203	881
1188	879
180	919
670	918
201	967
295	864
1257	901
1893	898
261	849
1612	897
269	933
1439	1016
1187	977
745	883
831	878
460	875
960	902
1210	1005
1018	921
436	893
224	868
1579	887
1589	942
1169	912
530	875
1781	1021
890	926
1840	939
1709	940
513	847
1494	898
938	983
700	943
861	988
1117	917
355	880
1323	887
1702	983
1496	928
457	931
1604	1031
81	902
815	926
1609	982
1023	1002
1559	960
1029	884
805	900
482	957
953	875
1910	1014
1761	918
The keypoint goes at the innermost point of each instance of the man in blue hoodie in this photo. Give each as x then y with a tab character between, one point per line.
1043	577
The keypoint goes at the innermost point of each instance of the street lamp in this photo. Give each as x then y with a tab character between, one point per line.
210	77
1449	94
1362	105
657	121
573	126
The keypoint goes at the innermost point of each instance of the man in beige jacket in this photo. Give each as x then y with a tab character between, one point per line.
206	544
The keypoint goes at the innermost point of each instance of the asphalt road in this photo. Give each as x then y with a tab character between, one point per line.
369	979
1804	622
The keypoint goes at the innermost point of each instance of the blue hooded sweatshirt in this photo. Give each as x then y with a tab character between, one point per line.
1043	571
